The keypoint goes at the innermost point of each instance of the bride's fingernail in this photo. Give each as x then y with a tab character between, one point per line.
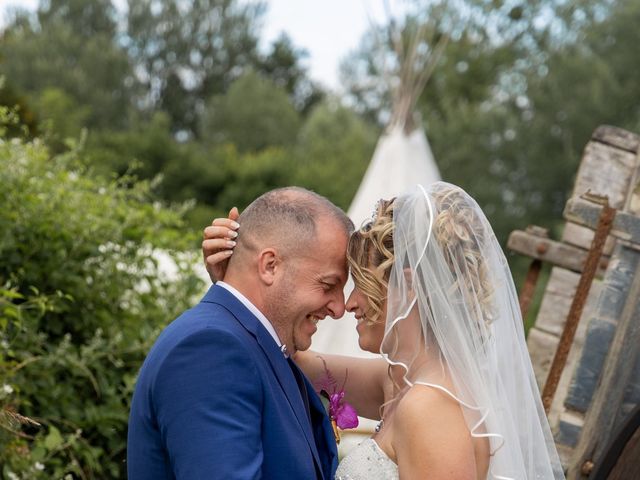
235	225
228	252
231	243
233	234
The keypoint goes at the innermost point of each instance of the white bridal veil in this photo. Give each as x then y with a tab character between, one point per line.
454	324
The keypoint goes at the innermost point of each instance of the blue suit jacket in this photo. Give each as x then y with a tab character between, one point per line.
216	399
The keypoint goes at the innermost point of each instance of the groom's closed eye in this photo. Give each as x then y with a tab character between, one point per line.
328	283
328	286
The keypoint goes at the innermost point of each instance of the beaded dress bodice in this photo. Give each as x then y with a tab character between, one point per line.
367	462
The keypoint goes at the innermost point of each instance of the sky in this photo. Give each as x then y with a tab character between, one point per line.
327	29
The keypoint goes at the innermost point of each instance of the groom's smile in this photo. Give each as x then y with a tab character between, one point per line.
311	287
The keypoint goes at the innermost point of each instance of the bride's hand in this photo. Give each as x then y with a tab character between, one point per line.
218	243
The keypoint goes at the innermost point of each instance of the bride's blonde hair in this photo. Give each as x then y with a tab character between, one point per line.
456	228
370	256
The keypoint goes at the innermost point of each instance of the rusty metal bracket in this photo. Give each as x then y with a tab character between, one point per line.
531	281
529	287
605	223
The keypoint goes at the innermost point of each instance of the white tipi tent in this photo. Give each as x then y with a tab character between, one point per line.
402	158
400	161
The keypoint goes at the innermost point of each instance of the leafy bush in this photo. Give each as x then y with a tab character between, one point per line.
82	298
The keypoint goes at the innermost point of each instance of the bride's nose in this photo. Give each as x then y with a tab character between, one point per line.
352	303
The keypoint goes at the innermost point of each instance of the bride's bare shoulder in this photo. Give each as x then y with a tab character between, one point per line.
419	396
431	436
429	408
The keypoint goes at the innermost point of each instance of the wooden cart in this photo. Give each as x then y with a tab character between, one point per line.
585	341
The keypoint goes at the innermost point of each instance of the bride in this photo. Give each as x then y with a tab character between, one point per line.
454	388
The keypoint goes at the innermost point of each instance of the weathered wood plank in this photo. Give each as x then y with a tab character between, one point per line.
557	253
626	226
556	302
569	428
545	249
634	202
582	237
620	462
604	170
628	465
633	196
617	137
585	379
615	377
602	326
541	346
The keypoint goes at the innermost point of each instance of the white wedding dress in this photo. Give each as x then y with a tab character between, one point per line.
367	461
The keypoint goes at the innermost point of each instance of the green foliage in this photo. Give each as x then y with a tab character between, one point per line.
282	66
253	114
150	144
250	175
82	297
91	70
334	149
516	95
188	51
62	117
19	105
96	17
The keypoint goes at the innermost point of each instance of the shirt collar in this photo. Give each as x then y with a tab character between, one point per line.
257	313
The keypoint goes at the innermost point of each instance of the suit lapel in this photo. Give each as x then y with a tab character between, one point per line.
278	362
323	433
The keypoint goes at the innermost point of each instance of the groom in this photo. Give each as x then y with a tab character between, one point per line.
218	396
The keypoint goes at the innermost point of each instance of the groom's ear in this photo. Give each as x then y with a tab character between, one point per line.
269	265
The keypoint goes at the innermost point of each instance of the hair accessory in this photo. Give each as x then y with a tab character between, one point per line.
376	209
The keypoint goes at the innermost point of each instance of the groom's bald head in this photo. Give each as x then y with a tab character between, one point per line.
290	261
286	219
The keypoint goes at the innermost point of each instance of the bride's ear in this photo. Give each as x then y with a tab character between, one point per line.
408	277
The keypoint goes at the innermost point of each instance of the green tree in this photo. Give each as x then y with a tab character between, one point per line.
500	110
63	117
531	137
70	46
333	150
252	115
85	18
251	174
590	81
282	65
181	171
9	97
187	51
82	297
146	148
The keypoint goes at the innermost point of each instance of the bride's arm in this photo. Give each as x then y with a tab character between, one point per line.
365	378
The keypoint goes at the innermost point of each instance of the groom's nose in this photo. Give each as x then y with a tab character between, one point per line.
336	305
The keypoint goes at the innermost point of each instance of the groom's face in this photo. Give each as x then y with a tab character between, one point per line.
311	287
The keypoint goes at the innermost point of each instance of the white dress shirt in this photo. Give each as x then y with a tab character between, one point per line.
257	313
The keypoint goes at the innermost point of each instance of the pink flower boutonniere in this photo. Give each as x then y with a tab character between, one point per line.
342	414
